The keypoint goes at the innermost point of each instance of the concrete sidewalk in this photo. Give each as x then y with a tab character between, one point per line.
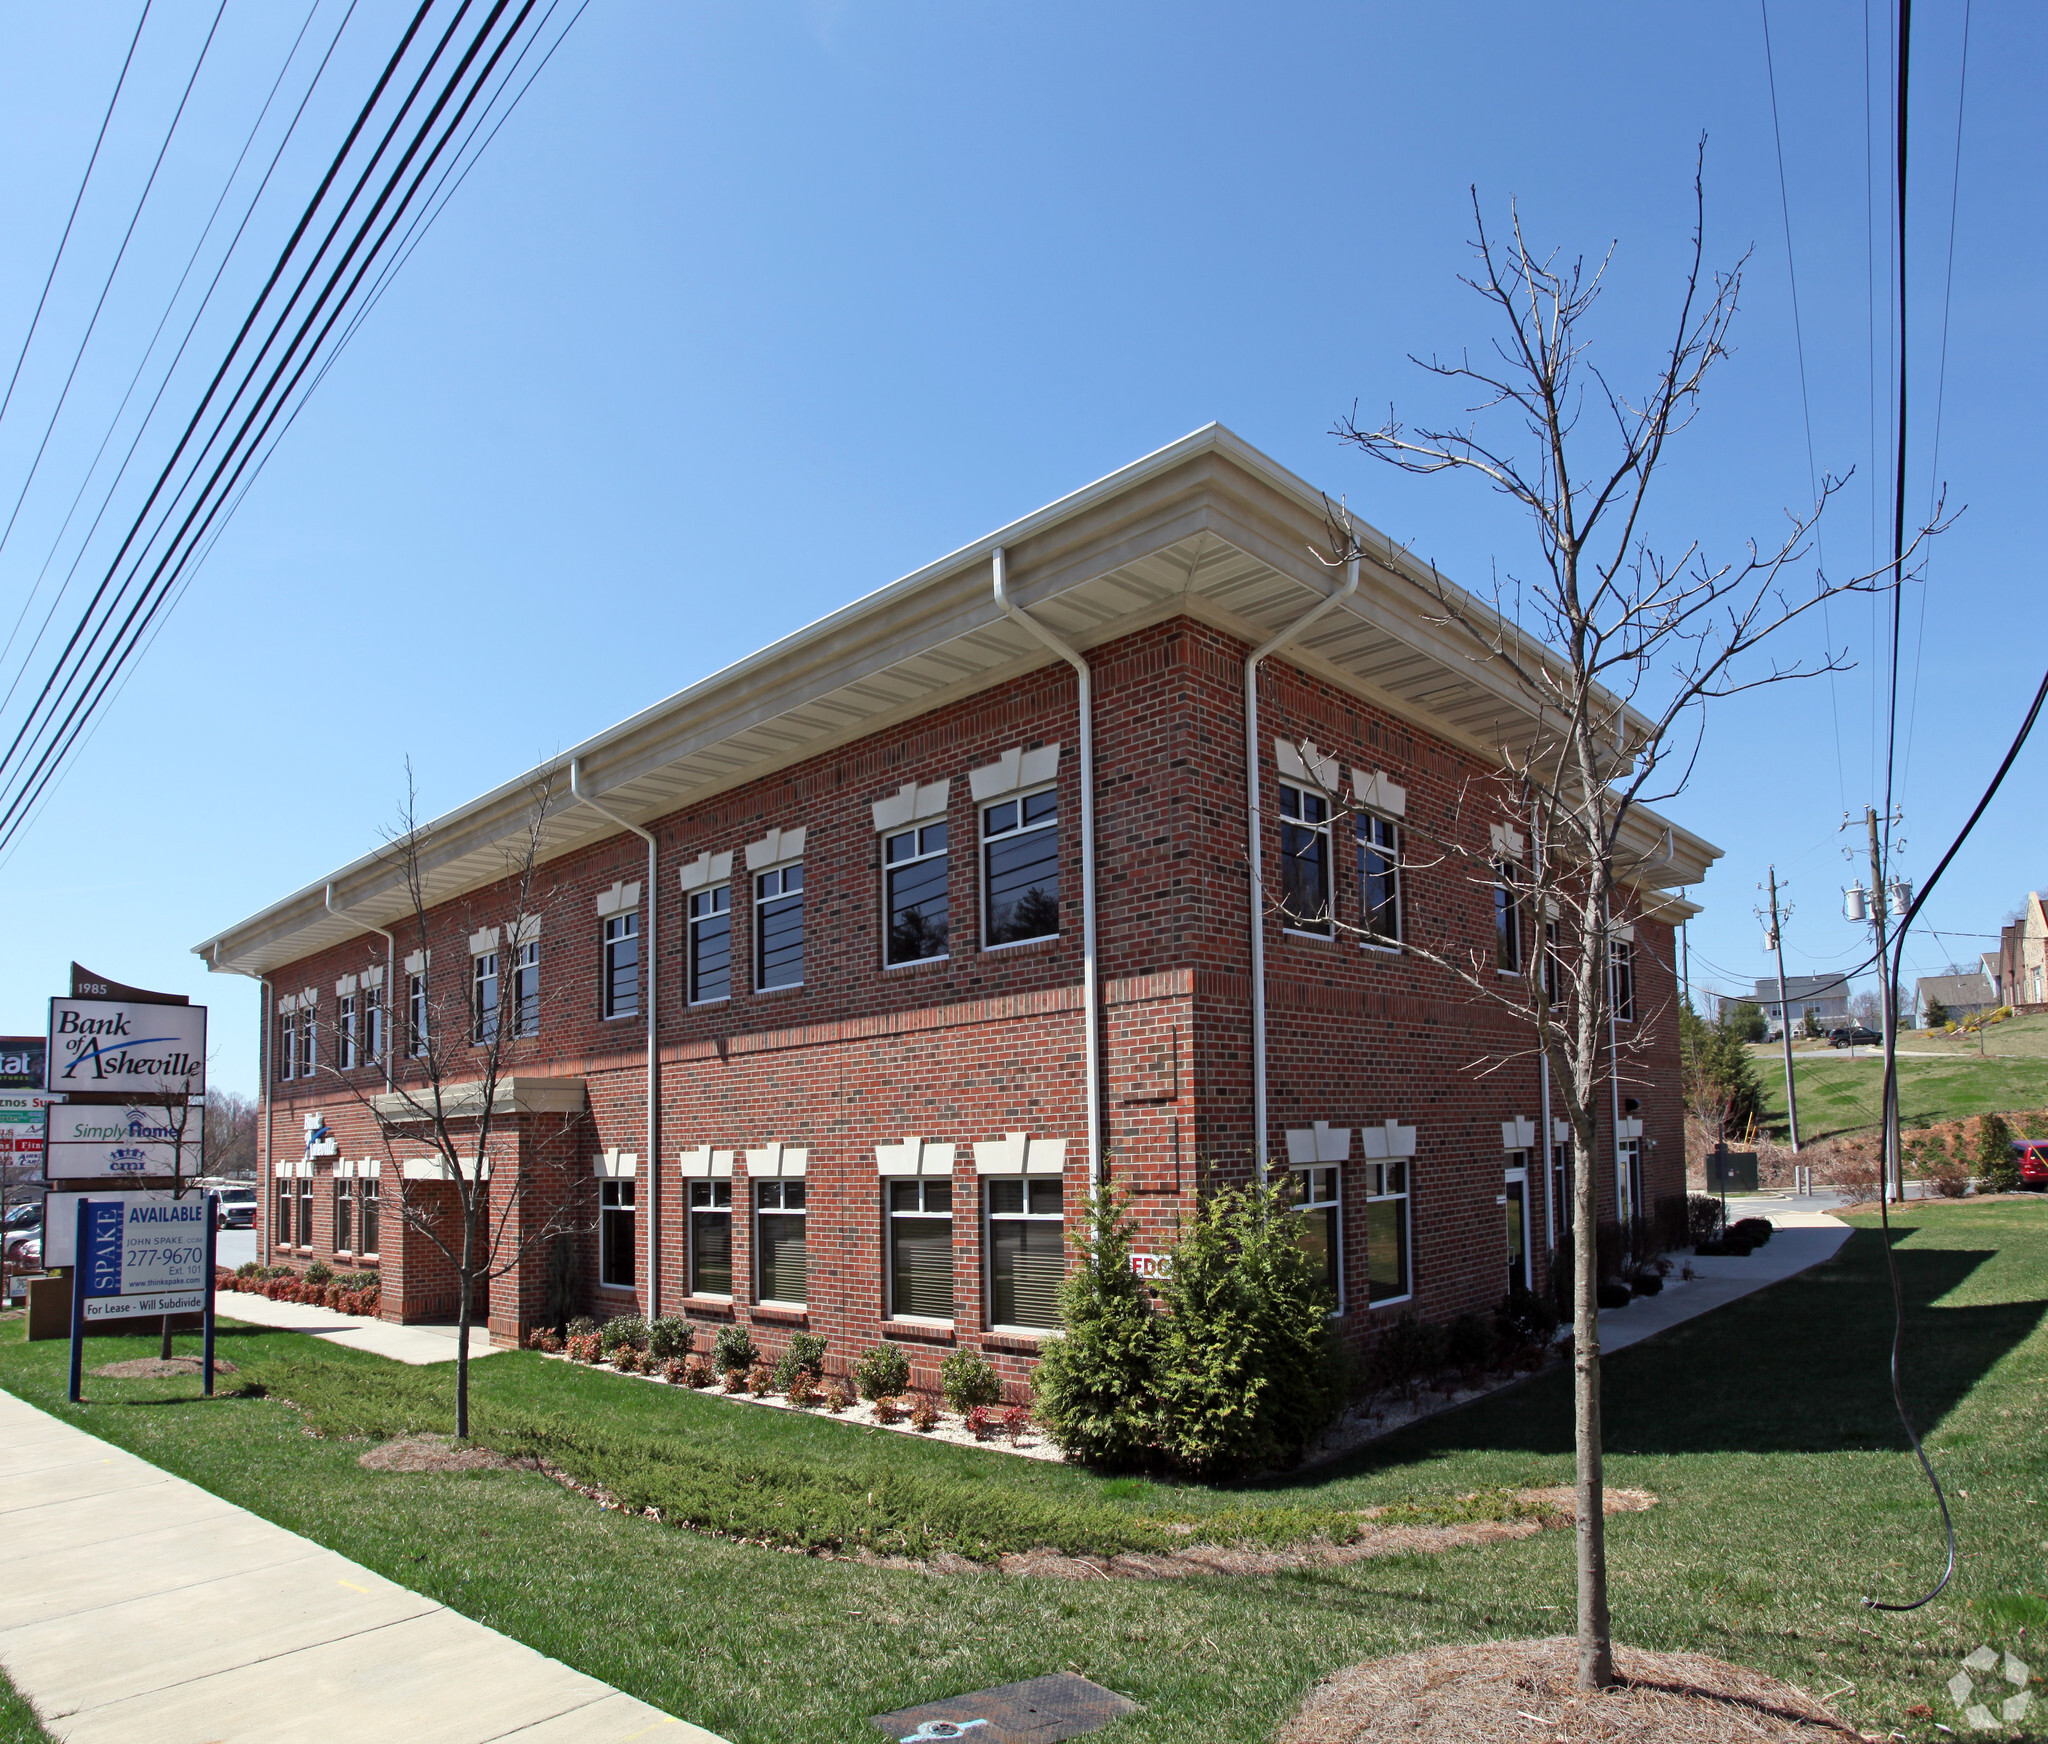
140	1609
406	1344
1792	1249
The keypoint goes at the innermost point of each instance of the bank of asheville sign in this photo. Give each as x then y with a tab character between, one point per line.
108	1143
122	1045
145	1253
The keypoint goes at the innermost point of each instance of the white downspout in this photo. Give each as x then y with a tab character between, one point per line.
653	1056
390	974
1256	842
263	1065
1091	1013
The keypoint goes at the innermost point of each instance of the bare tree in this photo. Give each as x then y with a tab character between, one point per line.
471	1205
229	1140
1617	649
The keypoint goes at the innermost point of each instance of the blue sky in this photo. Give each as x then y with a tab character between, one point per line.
753	307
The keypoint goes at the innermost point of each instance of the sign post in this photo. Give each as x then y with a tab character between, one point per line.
206	1337
78	1299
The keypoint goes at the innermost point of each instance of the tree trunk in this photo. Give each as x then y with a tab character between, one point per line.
164	1349
1596	1644
467	1277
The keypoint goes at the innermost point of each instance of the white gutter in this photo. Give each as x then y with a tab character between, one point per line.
653	1056
1257	839
390	974
268	1210
1089	977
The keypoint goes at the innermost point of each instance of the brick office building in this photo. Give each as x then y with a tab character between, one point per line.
875	1107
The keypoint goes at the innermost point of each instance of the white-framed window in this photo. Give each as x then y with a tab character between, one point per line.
345	1033
483	999
373	1024
1553	965
621	947
526	988
1020	868
1507	917
1517	1184
344	1218
416	1014
1560	1193
779	928
781	1262
711	1238
307	1051
1317	1202
1389	1263
914	911
1379	879
1621	979
1628	1179
616	1214
281	1231
920	1219
367	1206
711	945
1027	1251
305	1211
288	1045
1305	860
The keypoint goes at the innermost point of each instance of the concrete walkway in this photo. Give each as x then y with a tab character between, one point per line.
406	1344
140	1609
1804	1239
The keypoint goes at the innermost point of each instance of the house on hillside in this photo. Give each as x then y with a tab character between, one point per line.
1825	998
2023	957
836	900
1960	995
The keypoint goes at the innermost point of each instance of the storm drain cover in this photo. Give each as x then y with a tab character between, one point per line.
1041	1710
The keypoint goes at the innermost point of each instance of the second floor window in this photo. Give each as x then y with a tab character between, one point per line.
416	1014
1020	872
1304	860
373	1023
779	928
914	894
288	1046
306	1049
1621	979
526	989
711	947
1507	917
345	1033
622	966
483	1005
1379	877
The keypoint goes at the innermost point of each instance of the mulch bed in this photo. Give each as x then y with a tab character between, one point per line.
1494	1692
431	1453
151	1368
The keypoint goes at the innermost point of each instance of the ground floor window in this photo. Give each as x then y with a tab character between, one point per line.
711	1238
1560	1194
305	1211
344	1215
367	1203
1516	1198
1628	1179
1387	1260
780	1264
281	1230
921	1249
1027	1252
615	1234
1315	1200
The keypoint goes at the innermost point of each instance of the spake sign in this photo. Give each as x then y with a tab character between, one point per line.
144	1253
128	1047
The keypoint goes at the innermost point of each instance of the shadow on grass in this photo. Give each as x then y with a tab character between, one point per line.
1800	1367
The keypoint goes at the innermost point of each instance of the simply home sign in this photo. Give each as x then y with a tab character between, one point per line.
128	1047
116	1142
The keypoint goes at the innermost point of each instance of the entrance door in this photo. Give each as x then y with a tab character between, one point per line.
1516	1199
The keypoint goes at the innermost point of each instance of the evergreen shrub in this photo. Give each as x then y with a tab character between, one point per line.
882	1373
624	1329
803	1355
1097	1388
968	1379
1996	1161
733	1348
668	1337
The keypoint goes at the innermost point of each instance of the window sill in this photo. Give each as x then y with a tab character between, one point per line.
368	1259
1042	942
721	999
620	1289
709	1305
1390	1302
935	1331
793	1312
1017	1338
1303	933
620	1017
1383	949
917	963
772	992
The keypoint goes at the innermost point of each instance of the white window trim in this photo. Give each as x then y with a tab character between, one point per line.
989	1216
755	901
692	1212
1337	1223
1407	1198
692	922
889	1215
1326	829
754	1209
1368	941
1511	1174
633	1287
604	947
981	844
882	892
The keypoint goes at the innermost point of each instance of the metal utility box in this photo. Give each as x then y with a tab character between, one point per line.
1731	1171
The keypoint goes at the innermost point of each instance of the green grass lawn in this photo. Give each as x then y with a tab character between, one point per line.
1765	1429
1841	1095
18	1722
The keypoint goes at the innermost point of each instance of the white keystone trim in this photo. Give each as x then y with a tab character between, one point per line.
1508	841
523	931
1622	929
1382	1143
620	896
1013	771
309	998
1628	1128
287	1005
373	977
1518	1135
436	1168
344	987
1019	1153
1321	1143
1309	766
483	942
419	962
1560	1132
776	847
1378	791
616	1165
706	1164
707	868
914	1156
775	1159
910	803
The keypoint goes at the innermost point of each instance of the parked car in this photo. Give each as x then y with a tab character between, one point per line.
237	1208
2033	1156
23	1216
25	1249
1853	1035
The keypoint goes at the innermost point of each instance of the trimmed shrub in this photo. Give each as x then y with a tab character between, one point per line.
733	1348
735	1381
319	1272
1015	1421
1646	1282
981	1423
838	1399
924	1415
668	1337
1949	1178
1996	1160
1614	1294
968	1379
803	1355
248	1269
1755	1230
802	1389
1409	1351
626	1359
1471	1343
583	1347
675	1371
625	1329
1249	1366
889	1409
759	1381
581	1326
1703	1218
542	1338
881	1373
1097	1388
698	1374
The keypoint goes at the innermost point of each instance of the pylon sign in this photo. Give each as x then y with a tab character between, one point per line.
127	1047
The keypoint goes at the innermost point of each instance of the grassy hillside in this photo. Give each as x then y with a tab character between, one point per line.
1940	1078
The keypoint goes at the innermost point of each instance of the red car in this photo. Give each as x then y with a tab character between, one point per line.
2033	1156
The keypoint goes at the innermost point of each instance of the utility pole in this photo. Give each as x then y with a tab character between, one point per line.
1784	1012
1894	1175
